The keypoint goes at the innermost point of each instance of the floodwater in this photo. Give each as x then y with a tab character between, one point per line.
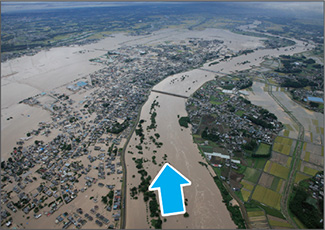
205	205
50	70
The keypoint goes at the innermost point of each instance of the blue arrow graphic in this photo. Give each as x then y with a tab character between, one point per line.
169	183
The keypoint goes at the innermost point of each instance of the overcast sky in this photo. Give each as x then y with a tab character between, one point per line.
307	7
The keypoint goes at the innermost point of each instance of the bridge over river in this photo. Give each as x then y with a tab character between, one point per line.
171	94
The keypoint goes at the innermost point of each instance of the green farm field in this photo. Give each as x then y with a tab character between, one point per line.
267	196
263	149
247	185
245	194
279	224
252	175
277	170
300	176
282	145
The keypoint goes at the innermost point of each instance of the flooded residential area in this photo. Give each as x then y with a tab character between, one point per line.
89	121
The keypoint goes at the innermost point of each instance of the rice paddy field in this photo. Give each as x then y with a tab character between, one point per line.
310	171
246	194
313	154
300	176
308	168
279	171
281	159
282	145
267	196
266	180
248	185
311	161
313	122
257	219
278	223
276	169
247	189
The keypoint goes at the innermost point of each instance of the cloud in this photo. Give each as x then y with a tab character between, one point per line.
305	7
23	6
289	7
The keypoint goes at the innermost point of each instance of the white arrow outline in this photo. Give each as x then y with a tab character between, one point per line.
159	192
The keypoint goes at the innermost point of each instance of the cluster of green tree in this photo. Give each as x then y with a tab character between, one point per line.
147	195
133	191
203	164
308	214
152	83
117	127
278	42
266	114
245	100
260	122
250	145
73	119
288	70
65	97
110	195
153	124
153	105
214	63
247	84
184	121
309	61
154	160
197	95
318	66
139	131
228	86
153	206
299	83
105	105
207	135
110	149
139	147
66	147
289	66
247	51
314	104
156	223
128	60
236	215
231	108
139	163
143	172
12	47
105	200
143	187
